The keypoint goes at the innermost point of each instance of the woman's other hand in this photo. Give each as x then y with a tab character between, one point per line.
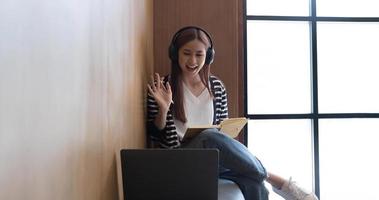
161	93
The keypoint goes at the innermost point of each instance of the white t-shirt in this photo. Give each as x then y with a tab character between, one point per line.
199	110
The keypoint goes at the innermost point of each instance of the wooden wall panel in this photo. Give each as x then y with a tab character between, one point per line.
72	82
223	20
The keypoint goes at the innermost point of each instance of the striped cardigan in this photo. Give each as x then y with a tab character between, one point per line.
168	137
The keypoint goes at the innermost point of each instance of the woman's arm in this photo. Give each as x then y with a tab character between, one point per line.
160	119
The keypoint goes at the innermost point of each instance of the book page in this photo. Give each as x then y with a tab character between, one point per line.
233	126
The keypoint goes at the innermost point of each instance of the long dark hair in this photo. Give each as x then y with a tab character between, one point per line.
176	72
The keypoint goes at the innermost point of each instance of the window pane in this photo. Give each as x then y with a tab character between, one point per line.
348	67
284	147
278	71
348	159
350	8
278	7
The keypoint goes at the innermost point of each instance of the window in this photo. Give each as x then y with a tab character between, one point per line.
311	81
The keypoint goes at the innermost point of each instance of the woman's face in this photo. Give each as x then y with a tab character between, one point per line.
192	57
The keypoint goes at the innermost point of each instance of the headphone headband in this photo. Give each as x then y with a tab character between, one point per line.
173	41
173	50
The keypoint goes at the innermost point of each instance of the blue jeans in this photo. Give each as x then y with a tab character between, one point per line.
233	155
235	162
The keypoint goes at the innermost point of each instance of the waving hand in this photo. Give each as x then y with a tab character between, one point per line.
161	93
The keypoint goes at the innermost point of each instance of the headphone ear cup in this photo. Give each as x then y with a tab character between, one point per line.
210	56
172	54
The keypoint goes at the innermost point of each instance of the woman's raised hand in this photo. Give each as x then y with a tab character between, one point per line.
161	93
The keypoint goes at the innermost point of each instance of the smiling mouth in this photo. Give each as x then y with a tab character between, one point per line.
192	67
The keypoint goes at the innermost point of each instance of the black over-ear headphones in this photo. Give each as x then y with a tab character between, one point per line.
173	50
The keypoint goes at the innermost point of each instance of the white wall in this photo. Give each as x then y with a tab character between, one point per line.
71	94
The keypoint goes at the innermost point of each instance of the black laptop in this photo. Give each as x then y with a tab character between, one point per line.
161	174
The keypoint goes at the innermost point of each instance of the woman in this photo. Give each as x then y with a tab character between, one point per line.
191	96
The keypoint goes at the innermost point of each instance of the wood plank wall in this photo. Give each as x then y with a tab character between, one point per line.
72	81
223	20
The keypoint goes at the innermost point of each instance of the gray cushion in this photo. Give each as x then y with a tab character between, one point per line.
228	190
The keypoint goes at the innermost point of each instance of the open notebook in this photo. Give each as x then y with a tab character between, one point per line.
230	126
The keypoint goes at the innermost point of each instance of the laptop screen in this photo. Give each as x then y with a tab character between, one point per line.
180	174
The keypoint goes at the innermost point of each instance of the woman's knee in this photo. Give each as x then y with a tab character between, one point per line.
214	136
211	133
209	138
201	139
